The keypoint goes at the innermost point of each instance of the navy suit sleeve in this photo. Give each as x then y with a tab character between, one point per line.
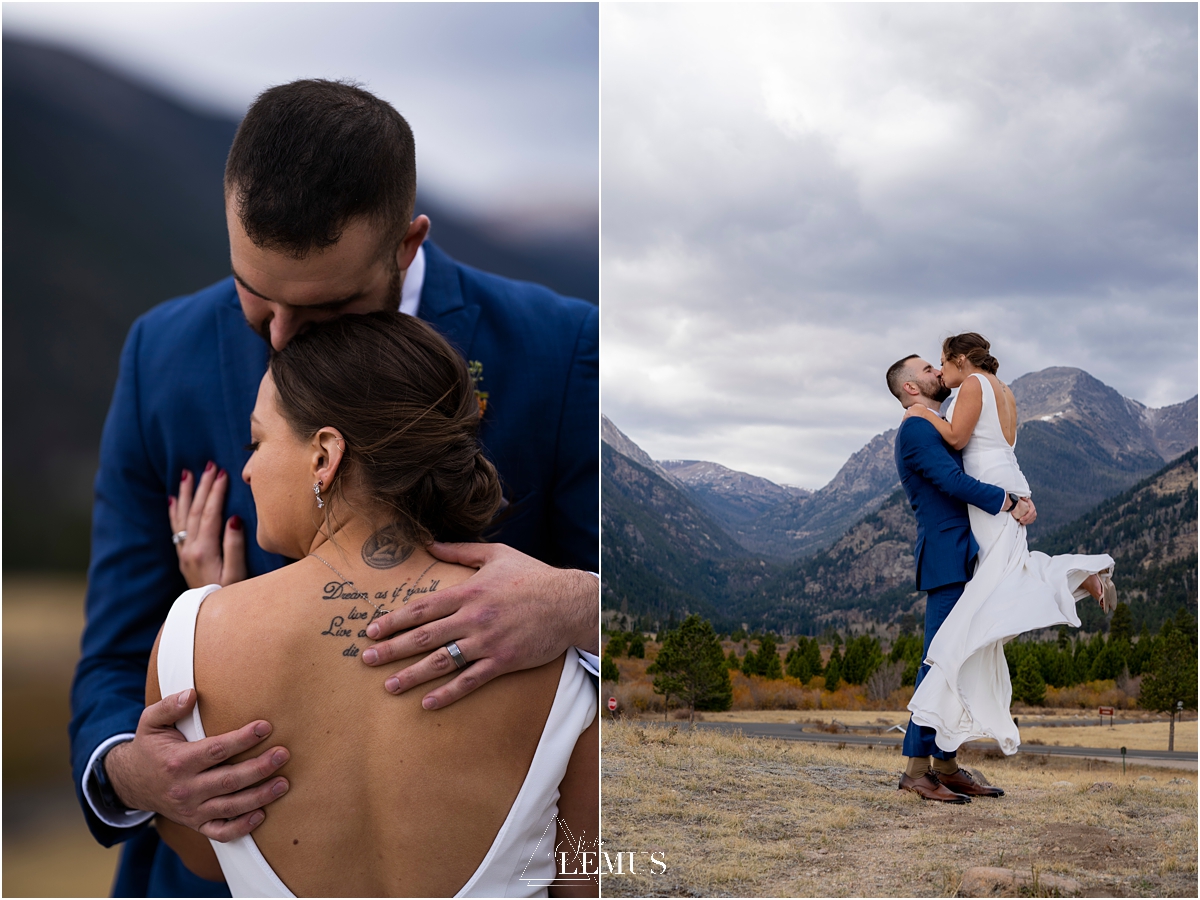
132	579
575	513
925	452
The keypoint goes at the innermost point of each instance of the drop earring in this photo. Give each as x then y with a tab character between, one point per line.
317	490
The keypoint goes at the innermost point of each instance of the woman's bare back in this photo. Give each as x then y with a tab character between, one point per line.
386	798
1006	407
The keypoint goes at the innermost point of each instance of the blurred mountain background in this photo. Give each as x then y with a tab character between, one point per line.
117	121
112	204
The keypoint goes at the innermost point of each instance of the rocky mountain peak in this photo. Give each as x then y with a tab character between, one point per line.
1124	428
619	441
732	496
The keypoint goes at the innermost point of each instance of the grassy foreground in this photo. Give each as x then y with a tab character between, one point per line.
1148	734
753	817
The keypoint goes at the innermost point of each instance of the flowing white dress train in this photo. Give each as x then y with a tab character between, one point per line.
966	694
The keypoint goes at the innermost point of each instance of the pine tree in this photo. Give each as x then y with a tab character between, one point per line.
1171	678
691	666
1029	686
750	663
769	665
1121	626
637	646
609	670
833	671
1064	637
863	657
796	664
1139	658
1109	662
616	644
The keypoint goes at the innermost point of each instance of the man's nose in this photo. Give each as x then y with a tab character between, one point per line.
284	326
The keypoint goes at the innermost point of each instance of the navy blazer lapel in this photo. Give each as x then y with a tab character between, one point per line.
242	357
442	304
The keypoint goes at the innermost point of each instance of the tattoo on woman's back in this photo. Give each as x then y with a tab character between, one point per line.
386	548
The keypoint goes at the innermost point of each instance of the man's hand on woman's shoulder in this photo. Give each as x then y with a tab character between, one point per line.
514	613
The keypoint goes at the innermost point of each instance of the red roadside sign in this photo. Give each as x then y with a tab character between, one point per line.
1106	710
612	704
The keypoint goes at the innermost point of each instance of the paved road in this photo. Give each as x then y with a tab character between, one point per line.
789	732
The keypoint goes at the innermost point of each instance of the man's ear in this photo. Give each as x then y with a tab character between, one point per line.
418	230
328	449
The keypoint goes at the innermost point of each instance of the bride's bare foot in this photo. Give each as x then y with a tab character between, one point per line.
1093	586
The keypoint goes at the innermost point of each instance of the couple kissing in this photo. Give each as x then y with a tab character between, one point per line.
957	465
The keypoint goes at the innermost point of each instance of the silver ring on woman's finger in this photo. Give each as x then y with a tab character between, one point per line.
178	538
456	655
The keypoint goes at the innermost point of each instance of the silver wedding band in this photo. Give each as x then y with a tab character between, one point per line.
178	538
456	655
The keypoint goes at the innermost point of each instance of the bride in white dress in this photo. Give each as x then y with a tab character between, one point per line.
966	693
364	448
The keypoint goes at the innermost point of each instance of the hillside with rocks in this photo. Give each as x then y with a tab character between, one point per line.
1078	442
801	525
733	498
1150	531
659	551
663	553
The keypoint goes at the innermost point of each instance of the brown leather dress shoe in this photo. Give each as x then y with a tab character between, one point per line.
928	787
961	782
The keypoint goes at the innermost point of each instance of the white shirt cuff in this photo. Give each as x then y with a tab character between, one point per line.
126	818
590	661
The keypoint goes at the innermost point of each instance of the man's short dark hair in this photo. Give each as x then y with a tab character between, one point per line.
895	375
313	155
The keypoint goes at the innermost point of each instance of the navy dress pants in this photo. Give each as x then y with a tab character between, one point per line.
919	739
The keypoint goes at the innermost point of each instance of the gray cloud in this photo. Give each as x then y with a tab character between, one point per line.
503	98
795	196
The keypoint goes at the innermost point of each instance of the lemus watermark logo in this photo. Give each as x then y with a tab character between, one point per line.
581	860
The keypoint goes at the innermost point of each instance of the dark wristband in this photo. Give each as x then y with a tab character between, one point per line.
1015	500
103	787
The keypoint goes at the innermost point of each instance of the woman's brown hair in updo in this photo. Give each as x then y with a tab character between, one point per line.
974	347
406	406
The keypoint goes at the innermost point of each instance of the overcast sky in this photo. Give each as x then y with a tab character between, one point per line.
795	196
503	98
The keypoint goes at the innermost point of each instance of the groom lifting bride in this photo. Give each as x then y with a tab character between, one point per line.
984	586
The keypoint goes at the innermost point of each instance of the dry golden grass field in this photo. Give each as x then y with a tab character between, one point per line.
48	851
1150	734
735	816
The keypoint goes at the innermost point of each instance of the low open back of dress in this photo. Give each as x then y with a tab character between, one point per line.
520	861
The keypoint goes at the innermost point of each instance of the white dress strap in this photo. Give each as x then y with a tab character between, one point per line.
520	861
246	869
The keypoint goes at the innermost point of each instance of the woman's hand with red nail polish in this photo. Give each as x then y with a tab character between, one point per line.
206	555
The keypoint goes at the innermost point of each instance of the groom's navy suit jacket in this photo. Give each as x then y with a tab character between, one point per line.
188	379
939	490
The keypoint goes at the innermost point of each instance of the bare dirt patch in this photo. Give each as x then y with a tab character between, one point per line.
734	816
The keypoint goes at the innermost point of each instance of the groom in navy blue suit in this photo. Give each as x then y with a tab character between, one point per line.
319	187
939	492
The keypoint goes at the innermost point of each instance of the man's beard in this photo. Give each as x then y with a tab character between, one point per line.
941	393
395	283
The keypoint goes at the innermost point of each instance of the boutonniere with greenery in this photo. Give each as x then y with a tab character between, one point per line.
475	367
